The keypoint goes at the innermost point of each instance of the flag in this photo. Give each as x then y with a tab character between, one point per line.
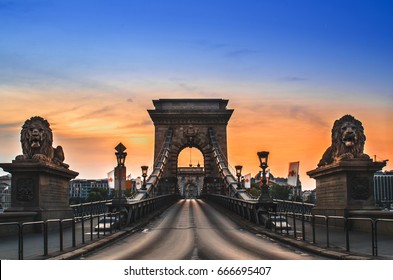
138	183
111	179
247	181
293	173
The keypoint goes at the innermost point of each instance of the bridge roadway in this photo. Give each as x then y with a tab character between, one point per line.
194	229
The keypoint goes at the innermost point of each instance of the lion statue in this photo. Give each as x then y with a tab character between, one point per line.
36	138
348	140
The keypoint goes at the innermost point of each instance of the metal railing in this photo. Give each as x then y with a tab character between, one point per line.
159	165
55	236
72	231
293	206
95	207
316	229
223	167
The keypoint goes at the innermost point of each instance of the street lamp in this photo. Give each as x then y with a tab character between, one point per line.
264	197
144	175
120	154
121	159
238	174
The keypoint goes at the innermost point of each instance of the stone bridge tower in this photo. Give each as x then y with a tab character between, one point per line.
190	120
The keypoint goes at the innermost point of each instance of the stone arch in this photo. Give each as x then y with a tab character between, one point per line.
199	144
190	157
177	153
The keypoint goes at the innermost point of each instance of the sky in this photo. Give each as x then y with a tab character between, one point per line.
288	68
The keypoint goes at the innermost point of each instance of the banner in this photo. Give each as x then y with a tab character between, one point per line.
293	173
111	179
247	181
138	183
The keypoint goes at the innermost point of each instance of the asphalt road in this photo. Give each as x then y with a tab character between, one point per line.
193	229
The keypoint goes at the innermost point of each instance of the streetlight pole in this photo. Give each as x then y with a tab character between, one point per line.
144	175
264	197
238	174
121	158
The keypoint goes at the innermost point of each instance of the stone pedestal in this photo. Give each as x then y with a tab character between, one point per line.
345	186
40	187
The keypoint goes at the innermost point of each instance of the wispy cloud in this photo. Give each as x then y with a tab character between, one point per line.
144	124
209	45
240	53
24	70
294	79
11	128
10	125
102	111
189	87
305	114
229	50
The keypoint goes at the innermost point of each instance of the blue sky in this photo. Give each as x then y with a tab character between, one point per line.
318	41
81	63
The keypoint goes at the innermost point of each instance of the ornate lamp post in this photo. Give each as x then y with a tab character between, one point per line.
144	175
121	158
264	197
238	174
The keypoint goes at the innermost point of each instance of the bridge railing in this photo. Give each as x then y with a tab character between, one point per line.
42	239
293	206
299	223
95	207
39	239
222	164
160	163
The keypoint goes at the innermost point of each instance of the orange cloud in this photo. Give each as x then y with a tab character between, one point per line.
89	125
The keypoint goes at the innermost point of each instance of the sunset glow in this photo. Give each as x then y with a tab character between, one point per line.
289	70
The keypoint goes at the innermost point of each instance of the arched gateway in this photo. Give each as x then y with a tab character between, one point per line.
191	122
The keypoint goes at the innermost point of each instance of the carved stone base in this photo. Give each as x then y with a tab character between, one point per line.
345	186
40	187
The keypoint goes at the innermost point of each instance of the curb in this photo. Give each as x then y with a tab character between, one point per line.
325	252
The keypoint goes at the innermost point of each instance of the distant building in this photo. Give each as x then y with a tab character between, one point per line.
5	191
271	180
190	181
309	196
80	188
383	189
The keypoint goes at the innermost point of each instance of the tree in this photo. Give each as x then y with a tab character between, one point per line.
279	192
129	192
254	190
77	200
97	194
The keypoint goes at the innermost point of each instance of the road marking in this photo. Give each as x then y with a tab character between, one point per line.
194	255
